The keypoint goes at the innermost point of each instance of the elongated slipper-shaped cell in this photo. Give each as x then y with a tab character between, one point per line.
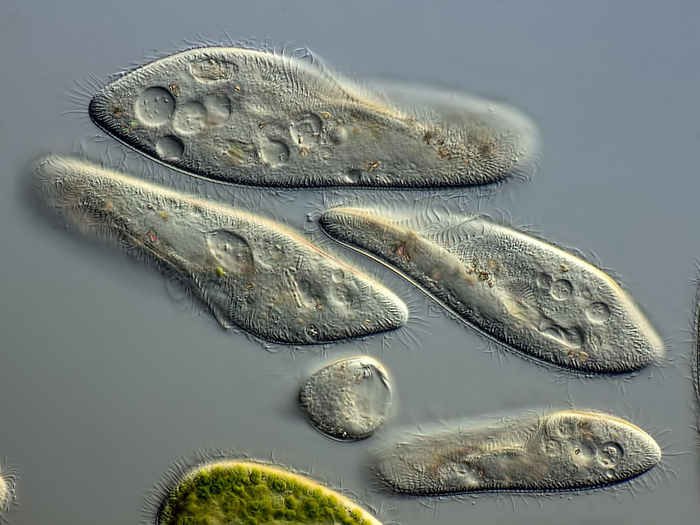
247	492
554	452
520	291
249	271
263	119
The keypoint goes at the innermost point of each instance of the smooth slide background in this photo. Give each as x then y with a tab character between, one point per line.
107	376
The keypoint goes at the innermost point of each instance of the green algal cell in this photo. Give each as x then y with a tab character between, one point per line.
311	506
213	494
341	513
278	485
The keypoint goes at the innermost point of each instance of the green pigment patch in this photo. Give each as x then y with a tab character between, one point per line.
235	492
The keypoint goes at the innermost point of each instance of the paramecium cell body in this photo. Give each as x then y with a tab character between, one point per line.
554	452
257	118
520	291
250	272
348	399
250	492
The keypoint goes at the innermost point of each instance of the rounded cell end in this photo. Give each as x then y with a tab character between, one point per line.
47	172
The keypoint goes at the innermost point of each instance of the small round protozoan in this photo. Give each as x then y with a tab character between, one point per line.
555	452
304	126
250	272
520	291
247	492
347	400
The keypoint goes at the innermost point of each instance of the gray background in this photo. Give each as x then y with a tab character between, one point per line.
106	378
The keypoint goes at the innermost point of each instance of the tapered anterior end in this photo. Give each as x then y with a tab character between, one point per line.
345	224
96	107
44	166
332	221
61	184
104	111
504	142
48	172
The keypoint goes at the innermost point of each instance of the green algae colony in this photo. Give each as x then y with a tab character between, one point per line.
244	492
